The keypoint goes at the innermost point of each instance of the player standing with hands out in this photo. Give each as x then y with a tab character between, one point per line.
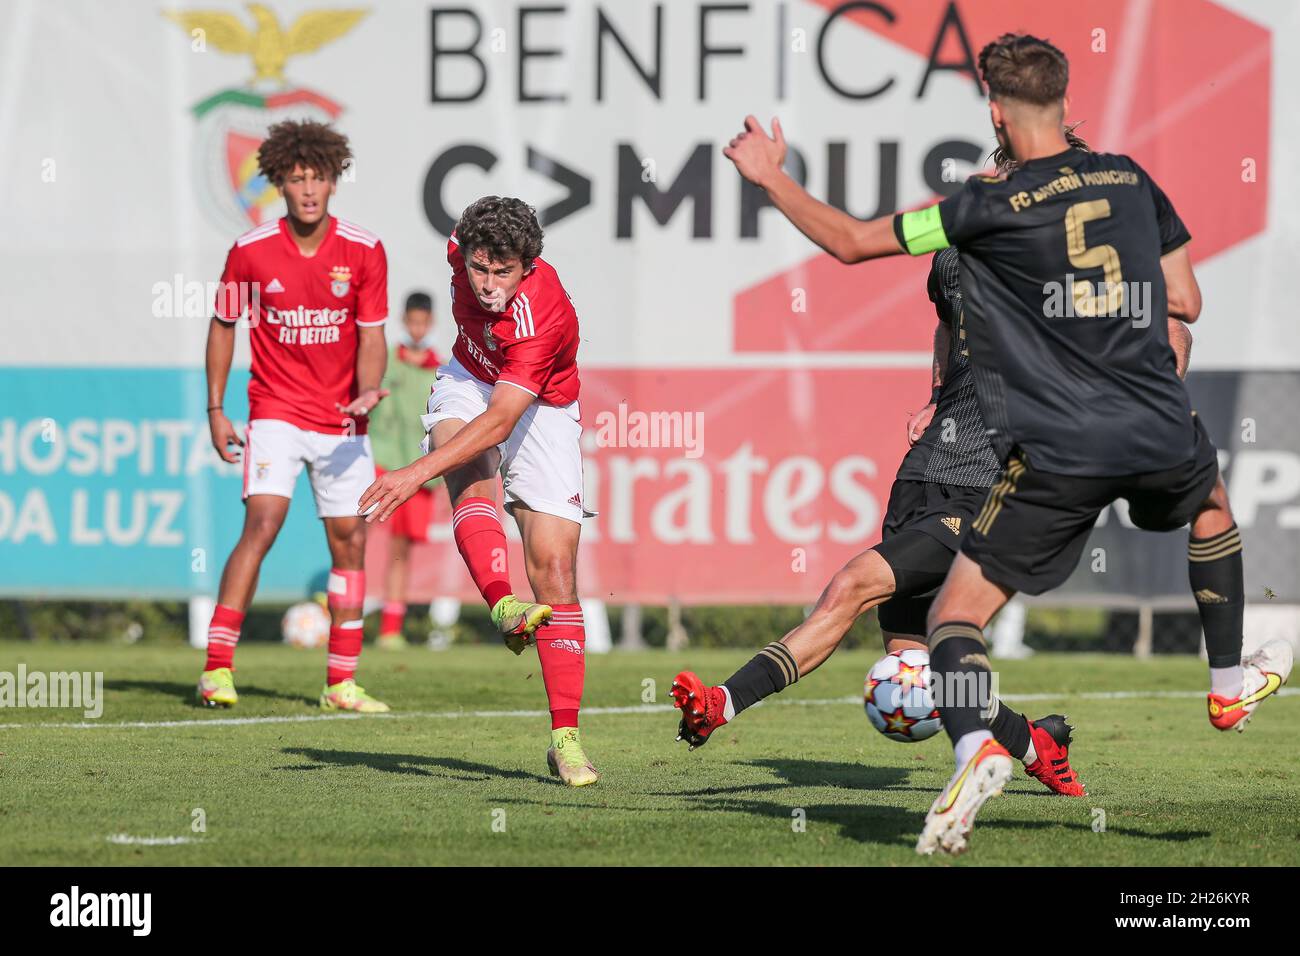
507	402
316	313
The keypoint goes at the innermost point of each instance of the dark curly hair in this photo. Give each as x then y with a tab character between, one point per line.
503	227
1017	66
312	145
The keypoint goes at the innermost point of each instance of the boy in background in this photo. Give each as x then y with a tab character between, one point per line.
395	434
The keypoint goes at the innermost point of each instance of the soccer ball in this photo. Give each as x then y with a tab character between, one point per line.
897	696
306	625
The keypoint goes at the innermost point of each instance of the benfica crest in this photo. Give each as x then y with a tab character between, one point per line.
340	279
233	122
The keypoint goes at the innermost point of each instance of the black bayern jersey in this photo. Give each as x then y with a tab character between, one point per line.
954	449
1066	311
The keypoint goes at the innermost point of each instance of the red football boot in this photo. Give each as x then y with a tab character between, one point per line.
1051	737
702	708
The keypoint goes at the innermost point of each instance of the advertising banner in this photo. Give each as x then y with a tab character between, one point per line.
744	395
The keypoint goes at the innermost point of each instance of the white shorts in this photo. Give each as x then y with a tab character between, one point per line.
340	467
541	461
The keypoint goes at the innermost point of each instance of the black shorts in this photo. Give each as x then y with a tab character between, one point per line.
923	528
1030	533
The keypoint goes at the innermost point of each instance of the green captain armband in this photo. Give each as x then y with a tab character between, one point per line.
921	231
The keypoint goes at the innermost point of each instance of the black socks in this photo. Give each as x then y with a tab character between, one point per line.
772	669
1010	729
1218	583
961	676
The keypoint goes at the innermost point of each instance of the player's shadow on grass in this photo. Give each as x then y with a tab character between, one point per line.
421	765
825	773
185	692
869	823
1171	836
811	773
860	822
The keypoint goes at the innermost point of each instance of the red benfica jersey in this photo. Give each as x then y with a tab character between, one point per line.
303	315
532	344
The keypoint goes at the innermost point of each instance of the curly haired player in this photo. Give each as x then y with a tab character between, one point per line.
507	402
314	290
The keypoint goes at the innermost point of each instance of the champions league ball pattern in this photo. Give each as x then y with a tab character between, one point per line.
897	696
306	625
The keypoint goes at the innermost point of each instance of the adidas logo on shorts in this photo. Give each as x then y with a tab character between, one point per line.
952	523
576	499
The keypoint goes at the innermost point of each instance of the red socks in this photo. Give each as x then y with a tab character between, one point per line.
482	543
560	645
392	617
347	589
560	649
345	648
223	635
347	593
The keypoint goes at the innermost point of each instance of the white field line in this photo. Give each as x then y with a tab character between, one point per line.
125	839
591	711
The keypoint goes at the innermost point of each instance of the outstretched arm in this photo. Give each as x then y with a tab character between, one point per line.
758	157
506	406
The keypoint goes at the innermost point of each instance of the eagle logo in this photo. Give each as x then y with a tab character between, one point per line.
267	43
232	123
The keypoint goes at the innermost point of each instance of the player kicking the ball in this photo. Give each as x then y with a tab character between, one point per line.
507	403
1065	264
941	485
315	292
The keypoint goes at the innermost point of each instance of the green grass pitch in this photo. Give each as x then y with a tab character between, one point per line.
457	774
